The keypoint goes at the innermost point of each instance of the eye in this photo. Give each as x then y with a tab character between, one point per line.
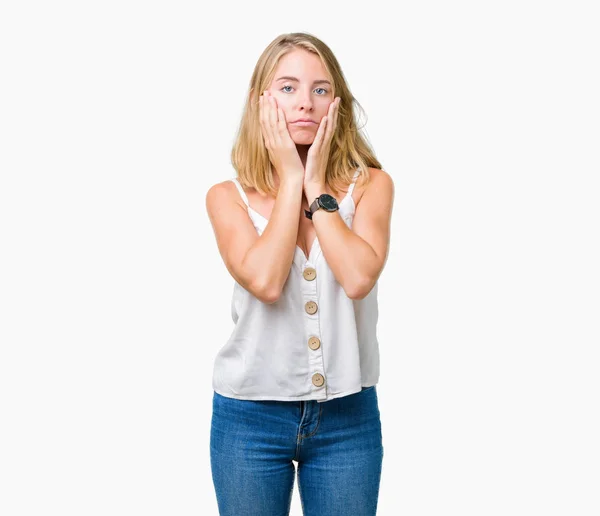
288	86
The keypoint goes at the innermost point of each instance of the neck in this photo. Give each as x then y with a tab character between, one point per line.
302	152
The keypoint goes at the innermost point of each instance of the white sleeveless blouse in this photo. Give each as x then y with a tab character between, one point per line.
313	343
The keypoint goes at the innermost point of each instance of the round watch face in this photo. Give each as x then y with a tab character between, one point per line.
328	202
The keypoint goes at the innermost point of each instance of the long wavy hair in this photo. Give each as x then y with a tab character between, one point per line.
349	150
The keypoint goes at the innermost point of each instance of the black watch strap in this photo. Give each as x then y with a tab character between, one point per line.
314	206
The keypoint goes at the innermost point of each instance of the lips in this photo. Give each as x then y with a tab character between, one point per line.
303	120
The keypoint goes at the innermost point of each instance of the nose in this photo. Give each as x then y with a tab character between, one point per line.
305	101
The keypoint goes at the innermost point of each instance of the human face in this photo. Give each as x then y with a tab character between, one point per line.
302	88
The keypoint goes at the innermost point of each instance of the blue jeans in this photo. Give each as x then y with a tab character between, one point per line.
337	445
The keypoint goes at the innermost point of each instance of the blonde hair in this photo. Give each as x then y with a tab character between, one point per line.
349	150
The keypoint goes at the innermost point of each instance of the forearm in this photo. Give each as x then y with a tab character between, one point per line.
270	258
352	260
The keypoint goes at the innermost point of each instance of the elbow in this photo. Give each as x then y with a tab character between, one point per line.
270	297
359	290
267	294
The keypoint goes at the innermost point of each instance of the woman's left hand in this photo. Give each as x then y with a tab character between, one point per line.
318	153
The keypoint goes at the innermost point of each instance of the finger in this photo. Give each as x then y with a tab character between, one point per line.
272	114
282	125
271	121
330	113
261	118
264	124
267	108
333	111
319	136
336	115
274	111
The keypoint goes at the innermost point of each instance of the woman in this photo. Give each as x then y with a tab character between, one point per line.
296	380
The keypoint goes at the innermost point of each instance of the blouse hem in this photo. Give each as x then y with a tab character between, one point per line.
290	398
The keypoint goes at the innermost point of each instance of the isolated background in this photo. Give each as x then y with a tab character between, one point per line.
116	118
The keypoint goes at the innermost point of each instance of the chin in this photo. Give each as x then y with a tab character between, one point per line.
303	138
302	135
303	141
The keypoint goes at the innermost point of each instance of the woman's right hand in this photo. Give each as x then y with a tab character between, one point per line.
282	149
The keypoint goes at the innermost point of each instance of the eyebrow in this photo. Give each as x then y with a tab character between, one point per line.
288	78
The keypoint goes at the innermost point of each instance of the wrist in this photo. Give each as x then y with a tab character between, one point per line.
291	183
319	184
313	190
322	202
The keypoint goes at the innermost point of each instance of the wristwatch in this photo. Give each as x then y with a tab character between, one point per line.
325	201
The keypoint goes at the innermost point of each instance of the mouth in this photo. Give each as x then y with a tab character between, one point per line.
303	123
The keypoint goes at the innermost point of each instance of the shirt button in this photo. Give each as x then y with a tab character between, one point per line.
318	380
314	343
309	273
310	307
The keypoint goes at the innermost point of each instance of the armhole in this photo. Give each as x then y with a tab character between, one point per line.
241	191
351	187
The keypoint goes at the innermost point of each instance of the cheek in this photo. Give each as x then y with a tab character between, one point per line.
324	107
281	104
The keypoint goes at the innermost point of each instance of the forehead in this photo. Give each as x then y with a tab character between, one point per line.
301	62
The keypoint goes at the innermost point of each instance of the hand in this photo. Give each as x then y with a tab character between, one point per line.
282	149
318	153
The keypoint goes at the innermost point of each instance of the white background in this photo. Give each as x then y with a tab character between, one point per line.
116	118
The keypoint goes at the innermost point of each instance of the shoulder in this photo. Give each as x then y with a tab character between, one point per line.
221	193
379	176
380	183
